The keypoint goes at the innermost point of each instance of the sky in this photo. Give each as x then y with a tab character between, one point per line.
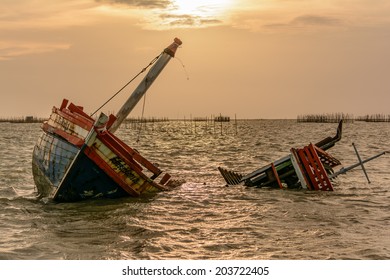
253	59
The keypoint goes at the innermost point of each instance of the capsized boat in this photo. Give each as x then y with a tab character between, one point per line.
310	167
306	167
78	157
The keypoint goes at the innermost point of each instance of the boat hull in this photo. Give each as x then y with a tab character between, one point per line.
51	158
77	158
84	180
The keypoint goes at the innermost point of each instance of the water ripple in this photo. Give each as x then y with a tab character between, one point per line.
204	219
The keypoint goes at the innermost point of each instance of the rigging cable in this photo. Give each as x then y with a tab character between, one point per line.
144	102
184	68
143	70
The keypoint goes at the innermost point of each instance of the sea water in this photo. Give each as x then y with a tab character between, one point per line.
203	218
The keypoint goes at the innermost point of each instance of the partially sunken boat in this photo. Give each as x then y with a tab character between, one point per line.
78	157
310	167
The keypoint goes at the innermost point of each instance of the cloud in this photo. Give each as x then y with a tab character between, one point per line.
166	14
179	20
308	15
211	21
45	14
175	20
307	22
310	20
25	26
151	4
12	49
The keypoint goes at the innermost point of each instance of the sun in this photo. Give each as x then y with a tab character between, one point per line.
201	8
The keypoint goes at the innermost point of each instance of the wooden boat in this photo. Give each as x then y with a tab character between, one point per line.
308	167
78	157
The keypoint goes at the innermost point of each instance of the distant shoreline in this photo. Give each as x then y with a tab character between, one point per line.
22	120
320	118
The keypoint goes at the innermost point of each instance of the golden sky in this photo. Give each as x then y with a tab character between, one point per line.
252	58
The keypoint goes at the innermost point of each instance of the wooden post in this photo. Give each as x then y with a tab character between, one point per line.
221	123
235	122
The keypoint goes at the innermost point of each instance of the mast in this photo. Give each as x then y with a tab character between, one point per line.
137	94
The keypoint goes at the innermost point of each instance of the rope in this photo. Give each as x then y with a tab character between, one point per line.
143	70
184	68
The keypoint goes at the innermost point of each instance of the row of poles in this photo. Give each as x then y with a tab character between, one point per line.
187	126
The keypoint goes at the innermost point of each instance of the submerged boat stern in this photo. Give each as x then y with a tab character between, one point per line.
308	167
